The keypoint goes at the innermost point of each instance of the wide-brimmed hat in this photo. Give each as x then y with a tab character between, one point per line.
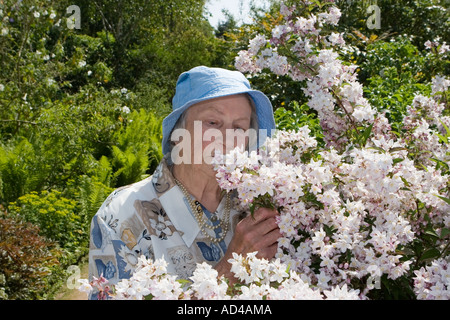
204	83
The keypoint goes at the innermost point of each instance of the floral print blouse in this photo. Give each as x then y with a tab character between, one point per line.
152	218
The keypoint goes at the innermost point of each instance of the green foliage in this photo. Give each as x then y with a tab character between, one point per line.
16	162
399	54
395	72
297	116
81	110
27	260
89	194
423	20
138	149
148	40
53	214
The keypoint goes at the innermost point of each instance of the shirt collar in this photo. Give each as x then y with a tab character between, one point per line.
174	203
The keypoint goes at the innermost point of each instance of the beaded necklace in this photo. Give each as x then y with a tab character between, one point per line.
202	222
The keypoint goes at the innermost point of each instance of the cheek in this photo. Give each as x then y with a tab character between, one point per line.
212	138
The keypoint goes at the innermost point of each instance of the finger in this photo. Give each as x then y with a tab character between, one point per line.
268	252
262	214
264	227
258	242
270	238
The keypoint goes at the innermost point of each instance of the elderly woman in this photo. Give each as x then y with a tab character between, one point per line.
180	213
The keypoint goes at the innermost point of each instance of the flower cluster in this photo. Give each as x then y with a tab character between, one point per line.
272	280
150	279
440	48
424	115
433	282
258	279
99	285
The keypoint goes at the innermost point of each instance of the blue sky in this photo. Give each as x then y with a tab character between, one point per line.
238	8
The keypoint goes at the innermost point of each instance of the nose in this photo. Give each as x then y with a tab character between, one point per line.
235	138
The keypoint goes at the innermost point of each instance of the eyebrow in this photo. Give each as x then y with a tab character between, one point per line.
210	107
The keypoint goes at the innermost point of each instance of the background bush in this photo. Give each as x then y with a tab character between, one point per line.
29	261
81	111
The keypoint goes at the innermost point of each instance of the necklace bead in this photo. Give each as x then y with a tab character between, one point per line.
202	222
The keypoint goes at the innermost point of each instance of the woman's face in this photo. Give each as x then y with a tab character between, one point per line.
218	124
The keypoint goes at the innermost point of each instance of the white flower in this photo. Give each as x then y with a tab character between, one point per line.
439	84
336	39
256	44
341	293
84	285
50	82
206	284
363	113
36	14
432	282
278	31
81	64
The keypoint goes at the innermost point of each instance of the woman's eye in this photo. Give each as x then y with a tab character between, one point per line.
212	123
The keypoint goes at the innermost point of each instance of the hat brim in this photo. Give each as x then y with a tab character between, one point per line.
264	112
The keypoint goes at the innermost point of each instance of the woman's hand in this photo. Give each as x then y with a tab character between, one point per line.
259	232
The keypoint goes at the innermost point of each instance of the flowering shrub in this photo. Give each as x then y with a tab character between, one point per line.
373	203
346	218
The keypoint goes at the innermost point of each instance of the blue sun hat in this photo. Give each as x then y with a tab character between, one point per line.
204	83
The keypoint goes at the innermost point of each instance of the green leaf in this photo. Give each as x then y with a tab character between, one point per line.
395	149
446	128
440	163
377	148
430	254
431	232
366	135
444	233
252	209
443	198
443	139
